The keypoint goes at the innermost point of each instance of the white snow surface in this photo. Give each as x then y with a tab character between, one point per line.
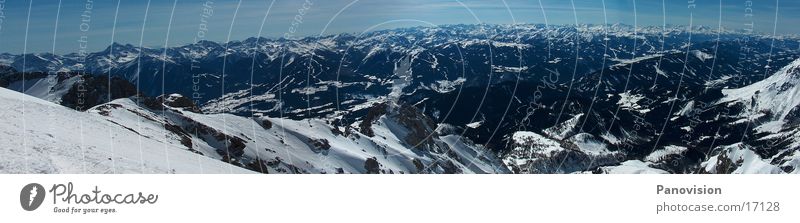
533	148
587	143
41	137
475	125
743	160
630	101
633	167
535	142
778	93
123	137
626	62
293	144
660	154
702	55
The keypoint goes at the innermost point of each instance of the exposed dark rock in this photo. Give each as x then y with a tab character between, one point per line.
233	161
88	92
372	166
566	161
91	91
274	162
258	165
421	127
105	109
724	165
8	75
236	146
418	164
186	140
320	144
373	114
449	167
335	131
265	123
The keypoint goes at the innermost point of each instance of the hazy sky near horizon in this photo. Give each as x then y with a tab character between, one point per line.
37	26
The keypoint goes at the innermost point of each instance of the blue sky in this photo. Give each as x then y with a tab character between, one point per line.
344	16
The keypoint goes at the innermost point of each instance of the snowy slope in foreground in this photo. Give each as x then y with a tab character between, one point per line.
274	145
154	136
41	137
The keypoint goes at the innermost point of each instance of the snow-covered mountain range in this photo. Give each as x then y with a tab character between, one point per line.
481	98
164	135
